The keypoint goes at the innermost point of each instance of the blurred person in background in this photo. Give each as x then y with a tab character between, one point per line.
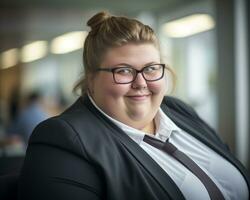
123	138
10	144
26	118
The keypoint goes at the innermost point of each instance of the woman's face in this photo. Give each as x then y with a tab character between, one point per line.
136	103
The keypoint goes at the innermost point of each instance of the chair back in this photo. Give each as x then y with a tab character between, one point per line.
9	186
9	175
10	164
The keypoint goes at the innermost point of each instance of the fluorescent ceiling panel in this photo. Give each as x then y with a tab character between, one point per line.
34	51
9	58
68	42
189	25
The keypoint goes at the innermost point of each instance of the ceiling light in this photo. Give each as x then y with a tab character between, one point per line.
34	51
68	42
9	58
189	25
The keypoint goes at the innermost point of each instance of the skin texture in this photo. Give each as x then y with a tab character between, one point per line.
134	104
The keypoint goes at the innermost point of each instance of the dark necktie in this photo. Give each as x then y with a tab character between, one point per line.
213	191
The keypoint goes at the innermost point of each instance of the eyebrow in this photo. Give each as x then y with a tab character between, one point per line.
126	64
151	63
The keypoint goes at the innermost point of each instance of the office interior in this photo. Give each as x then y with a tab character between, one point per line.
206	43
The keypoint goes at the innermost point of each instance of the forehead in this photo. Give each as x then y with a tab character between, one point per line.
132	54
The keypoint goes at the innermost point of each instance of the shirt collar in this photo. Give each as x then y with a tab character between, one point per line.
164	126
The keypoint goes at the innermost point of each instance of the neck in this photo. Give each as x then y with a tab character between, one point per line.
150	128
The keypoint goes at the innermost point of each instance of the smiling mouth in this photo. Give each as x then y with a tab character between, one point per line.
139	97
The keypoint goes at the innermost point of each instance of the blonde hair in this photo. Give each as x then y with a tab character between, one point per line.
106	32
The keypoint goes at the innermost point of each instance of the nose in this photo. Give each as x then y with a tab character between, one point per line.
139	82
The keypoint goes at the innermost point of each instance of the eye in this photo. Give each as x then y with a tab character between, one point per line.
124	71
151	69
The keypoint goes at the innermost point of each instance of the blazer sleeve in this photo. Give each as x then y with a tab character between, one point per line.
56	168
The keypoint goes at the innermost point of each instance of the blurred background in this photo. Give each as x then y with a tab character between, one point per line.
206	42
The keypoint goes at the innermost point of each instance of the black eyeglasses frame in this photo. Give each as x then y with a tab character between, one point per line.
112	69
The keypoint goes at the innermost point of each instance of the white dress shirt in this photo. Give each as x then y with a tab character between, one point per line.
227	178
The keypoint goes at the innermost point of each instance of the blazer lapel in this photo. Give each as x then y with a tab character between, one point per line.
152	167
196	129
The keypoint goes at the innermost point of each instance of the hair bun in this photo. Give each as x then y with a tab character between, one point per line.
98	19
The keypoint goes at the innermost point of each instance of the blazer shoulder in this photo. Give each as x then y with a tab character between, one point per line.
173	104
59	133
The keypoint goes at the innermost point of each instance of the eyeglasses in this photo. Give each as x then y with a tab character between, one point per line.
125	75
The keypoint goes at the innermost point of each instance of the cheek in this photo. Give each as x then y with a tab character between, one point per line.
117	91
104	86
158	86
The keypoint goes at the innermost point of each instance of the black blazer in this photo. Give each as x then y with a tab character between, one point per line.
81	154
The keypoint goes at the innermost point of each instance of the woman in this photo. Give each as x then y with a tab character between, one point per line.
100	148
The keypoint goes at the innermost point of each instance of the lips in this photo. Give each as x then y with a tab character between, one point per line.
138	97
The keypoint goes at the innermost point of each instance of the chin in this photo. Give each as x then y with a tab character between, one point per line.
138	115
